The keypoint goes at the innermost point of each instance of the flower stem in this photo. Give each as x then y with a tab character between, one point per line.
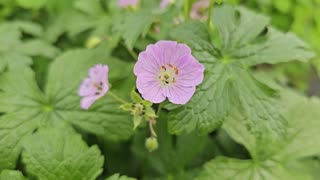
117	98
186	9
132	53
210	12
159	109
152	131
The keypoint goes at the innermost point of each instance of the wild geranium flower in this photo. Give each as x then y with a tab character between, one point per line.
165	3
95	86
168	70
198	10
128	3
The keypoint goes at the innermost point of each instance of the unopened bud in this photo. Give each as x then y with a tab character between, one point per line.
92	42
151	144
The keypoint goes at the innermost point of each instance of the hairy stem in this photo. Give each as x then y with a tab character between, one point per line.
152	131
159	109
117	98
133	54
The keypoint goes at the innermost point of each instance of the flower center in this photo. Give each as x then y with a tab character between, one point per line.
168	74
99	87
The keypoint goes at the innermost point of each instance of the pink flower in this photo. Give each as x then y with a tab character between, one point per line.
165	3
198	10
168	70
95	86
127	3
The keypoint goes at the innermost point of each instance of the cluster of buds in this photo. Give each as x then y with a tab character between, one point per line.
142	111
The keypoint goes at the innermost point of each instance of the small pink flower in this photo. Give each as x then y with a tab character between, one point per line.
168	70
127	3
165	3
95	86
198	10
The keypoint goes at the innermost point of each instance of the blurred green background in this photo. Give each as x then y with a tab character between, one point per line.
71	23
299	16
303	18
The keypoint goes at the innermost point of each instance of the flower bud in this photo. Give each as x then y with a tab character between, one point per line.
93	42
151	144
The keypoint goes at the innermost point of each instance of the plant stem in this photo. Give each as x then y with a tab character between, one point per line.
159	109
186	9
132	53
117	98
151	123
210	13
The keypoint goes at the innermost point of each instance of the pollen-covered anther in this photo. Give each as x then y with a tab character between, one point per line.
167	74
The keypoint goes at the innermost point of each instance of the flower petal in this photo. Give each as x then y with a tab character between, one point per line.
150	89
86	102
180	94
191	72
127	3
86	88
166	51
99	73
147	63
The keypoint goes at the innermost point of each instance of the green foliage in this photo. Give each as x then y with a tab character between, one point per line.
15	53
270	159
31	108
240	124
245	41
61	154
118	177
12	175
132	25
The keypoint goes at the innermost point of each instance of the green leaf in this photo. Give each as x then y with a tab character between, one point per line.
15	53
272	159
27	108
303	127
136	97
283	6
11	175
93	8
228	168
228	81
208	106
61	154
118	177
104	118
34	4
27	27
14	128
196	35
37	48
247	38
22	108
78	20
132	25
304	134
137	119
